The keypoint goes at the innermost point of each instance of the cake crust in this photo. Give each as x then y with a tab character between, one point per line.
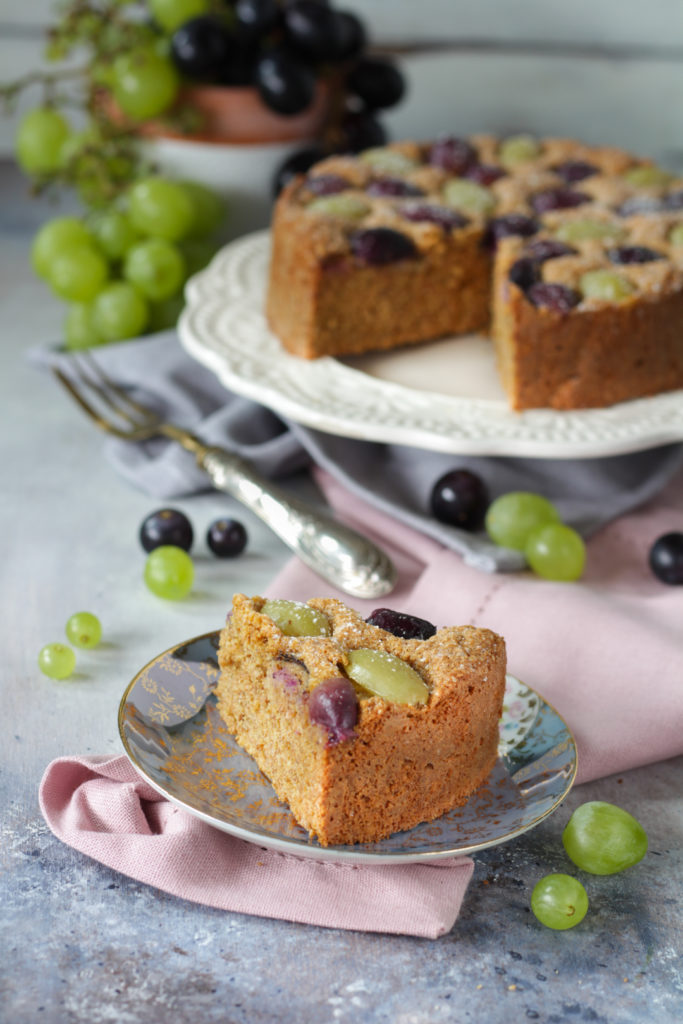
405	763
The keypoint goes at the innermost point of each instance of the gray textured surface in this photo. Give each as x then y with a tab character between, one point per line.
83	945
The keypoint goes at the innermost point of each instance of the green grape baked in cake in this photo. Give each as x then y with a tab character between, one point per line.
569	255
364	727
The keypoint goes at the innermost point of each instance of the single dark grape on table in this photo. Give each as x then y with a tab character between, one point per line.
666	558
227	538
285	85
410	627
377	82
460	498
166	526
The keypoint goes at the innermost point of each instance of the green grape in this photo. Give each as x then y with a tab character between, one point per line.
346	206
511	517
156	268
559	901
517	149
169	572
39	140
55	236
198	253
78	273
469	196
605	284
297	619
56	661
145	84
387	676
603	839
208	209
113	232
119	312
163	315
676	235
160	208
388	161
580	230
647	175
555	552
171	14
79	331
84	629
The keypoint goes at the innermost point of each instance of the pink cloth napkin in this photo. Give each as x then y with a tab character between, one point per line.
606	652
103	808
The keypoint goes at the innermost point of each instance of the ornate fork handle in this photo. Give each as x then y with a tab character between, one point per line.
336	552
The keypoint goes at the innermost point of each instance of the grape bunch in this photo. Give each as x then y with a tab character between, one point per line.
122	269
122	265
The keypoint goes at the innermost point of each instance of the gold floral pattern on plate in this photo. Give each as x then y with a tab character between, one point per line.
175	738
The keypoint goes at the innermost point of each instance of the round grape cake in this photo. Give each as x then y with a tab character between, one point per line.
570	256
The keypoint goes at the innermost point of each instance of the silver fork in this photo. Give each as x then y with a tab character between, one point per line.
337	553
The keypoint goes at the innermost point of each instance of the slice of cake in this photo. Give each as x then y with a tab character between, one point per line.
361	731
414	241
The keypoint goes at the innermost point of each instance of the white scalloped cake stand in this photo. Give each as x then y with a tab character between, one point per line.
443	396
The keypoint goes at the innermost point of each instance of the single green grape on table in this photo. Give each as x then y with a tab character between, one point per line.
603	839
169	572
56	661
512	516
555	552
559	901
84	629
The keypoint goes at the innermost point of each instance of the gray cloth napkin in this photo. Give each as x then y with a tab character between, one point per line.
395	478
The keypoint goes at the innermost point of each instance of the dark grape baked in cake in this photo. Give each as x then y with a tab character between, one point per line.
570	255
364	727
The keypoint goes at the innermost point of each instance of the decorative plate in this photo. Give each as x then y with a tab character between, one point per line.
175	738
440	396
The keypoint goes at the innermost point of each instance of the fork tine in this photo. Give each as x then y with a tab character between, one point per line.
107	387
88	408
